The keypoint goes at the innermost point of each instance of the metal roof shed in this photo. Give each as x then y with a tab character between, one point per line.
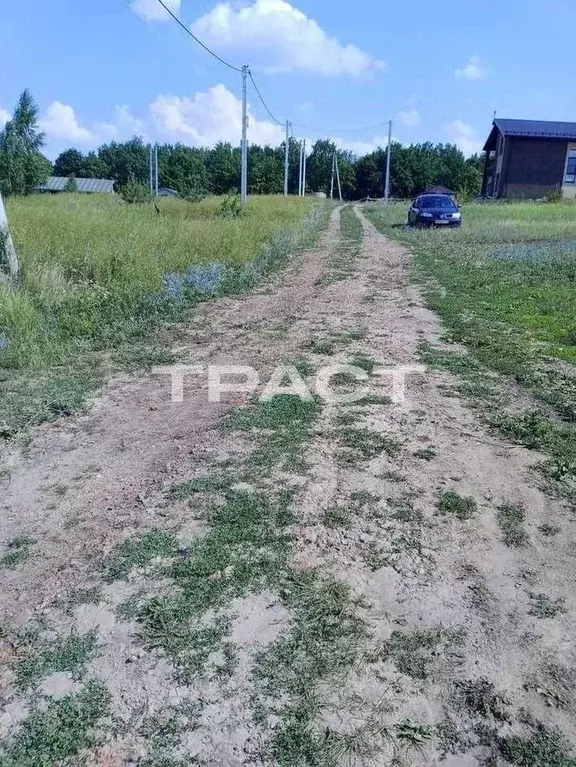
88	185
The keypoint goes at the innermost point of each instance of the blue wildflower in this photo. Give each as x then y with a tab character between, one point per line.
536	252
205	278
173	285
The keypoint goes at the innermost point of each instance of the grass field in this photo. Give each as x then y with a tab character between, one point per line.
505	286
97	274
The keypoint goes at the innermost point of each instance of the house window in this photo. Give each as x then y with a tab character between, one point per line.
570	175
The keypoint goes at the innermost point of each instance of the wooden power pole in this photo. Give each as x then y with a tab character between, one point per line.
7	250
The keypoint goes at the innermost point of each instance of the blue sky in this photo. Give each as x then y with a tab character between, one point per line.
105	70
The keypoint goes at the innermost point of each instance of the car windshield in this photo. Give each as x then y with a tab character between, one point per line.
438	201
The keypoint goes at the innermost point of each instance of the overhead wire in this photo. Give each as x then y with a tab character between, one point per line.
234	68
196	39
264	104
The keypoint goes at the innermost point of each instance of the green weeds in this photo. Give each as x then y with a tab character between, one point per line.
459	506
413	651
70	653
17	551
543	606
511	520
358	444
427	453
326	640
549	530
343	259
54	734
138	552
481	699
544	746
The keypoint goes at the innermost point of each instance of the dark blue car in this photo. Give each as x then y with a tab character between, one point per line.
434	210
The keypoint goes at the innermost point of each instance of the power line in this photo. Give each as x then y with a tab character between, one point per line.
264	104
206	48
259	94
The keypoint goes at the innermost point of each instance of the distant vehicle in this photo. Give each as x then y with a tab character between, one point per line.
434	210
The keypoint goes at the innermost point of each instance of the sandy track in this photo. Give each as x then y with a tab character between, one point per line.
90	481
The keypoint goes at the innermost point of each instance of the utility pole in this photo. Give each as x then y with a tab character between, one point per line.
7	249
332	178
151	164
304	170
244	176
286	158
387	184
156	170
300	172
338	176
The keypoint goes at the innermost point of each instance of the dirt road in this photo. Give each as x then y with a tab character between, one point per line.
209	583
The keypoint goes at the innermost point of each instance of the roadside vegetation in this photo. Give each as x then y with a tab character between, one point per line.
98	275
344	258
505	286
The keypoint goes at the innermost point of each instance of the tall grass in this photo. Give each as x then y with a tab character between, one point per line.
505	285
97	273
511	267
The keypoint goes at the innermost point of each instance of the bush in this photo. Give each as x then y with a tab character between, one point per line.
134	192
554	195
192	191
231	207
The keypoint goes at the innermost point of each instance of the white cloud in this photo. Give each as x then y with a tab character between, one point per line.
151	10
361	147
209	117
409	117
128	125
60	123
473	70
203	119
464	136
4	117
280	38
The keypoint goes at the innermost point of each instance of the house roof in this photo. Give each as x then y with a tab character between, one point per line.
58	184
531	129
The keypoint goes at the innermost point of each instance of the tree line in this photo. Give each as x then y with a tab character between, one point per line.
194	172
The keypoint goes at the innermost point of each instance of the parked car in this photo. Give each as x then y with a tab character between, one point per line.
434	210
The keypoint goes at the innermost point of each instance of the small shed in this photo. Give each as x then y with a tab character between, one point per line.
55	184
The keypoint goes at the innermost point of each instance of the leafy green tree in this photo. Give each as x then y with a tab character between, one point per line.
69	163
319	166
72	161
93	167
293	165
71	185
183	168
22	166
371	174
194	172
265	170
127	161
223	168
